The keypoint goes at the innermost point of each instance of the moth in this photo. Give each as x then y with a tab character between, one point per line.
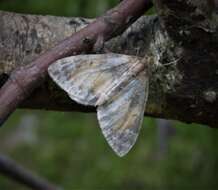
116	84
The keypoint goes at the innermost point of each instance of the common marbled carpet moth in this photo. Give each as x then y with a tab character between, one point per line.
117	84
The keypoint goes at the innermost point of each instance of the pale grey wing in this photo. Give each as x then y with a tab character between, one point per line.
85	77
121	119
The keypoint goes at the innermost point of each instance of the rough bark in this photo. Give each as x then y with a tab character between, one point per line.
193	27
182	39
25	79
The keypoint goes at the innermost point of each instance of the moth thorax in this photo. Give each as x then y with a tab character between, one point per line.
137	68
147	61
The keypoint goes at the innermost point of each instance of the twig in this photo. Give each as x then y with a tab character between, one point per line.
11	169
25	79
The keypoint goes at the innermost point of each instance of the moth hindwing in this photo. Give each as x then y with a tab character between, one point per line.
117	84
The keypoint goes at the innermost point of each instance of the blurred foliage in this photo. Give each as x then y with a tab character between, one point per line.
83	8
69	149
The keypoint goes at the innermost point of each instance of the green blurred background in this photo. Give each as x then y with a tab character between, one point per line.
68	149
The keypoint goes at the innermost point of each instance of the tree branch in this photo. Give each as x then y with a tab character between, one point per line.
193	28
185	34
25	79
14	171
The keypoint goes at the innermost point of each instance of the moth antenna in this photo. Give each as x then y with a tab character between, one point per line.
172	62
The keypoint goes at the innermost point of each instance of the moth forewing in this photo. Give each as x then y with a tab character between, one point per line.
121	119
116	86
86	77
